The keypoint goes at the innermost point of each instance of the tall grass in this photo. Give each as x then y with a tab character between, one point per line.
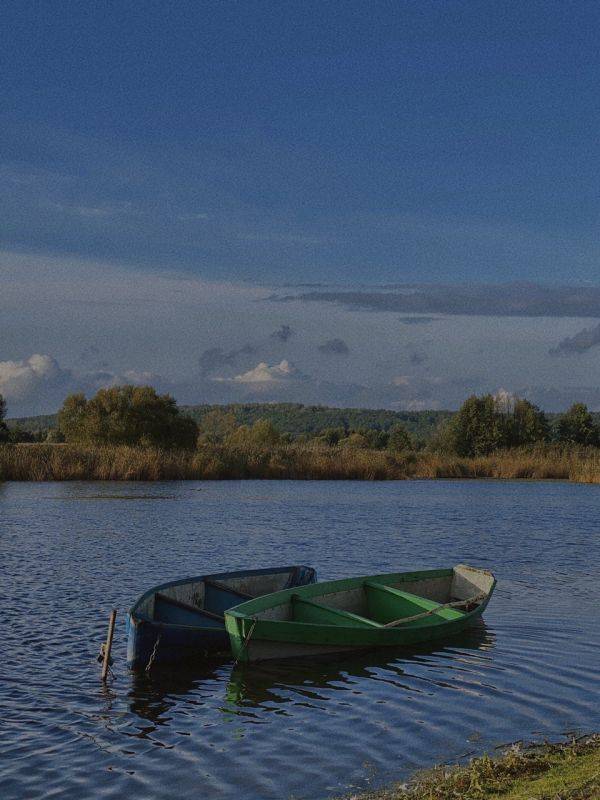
563	771
60	462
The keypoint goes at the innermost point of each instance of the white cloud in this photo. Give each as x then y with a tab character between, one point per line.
39	384
103	324
263	373
20	379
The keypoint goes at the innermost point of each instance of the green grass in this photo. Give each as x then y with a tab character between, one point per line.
568	771
577	779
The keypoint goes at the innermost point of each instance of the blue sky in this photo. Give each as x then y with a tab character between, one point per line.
258	144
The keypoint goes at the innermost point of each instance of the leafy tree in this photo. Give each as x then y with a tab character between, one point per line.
331	436
484	424
262	434
132	415
400	439
3	426
477	428
526	425
74	419
216	426
375	437
577	426
355	441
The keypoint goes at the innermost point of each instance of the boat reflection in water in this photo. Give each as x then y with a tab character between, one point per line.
155	697
267	683
273	687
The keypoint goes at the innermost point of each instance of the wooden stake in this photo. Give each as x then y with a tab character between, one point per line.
108	645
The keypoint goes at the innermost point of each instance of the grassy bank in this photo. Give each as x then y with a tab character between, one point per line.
549	772
47	462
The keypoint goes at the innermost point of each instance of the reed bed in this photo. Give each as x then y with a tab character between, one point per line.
67	462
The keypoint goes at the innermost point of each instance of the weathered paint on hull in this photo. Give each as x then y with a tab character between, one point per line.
264	650
174	646
356	614
177	641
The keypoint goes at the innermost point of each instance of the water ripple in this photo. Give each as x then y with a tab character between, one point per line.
69	552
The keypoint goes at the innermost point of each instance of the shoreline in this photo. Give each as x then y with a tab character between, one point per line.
68	462
548	771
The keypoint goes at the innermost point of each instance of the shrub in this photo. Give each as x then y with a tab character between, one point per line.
21	436
400	439
127	415
577	426
356	441
330	436
262	434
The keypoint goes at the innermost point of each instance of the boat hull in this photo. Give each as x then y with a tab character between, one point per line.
356	614
176	644
324	644
182	621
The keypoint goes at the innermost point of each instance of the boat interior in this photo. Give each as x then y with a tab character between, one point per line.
373	603
203	601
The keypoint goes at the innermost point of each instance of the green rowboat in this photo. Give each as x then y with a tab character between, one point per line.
392	610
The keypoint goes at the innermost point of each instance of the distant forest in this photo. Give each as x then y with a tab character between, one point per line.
297	420
132	433
293	418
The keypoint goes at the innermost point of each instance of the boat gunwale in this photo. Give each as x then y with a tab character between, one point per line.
258	604
250	609
295	625
136	617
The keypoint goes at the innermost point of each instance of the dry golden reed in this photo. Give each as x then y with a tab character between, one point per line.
65	462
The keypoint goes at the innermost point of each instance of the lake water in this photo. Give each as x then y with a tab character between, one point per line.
69	552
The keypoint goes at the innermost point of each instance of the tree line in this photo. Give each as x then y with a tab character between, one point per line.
297	419
488	423
138	415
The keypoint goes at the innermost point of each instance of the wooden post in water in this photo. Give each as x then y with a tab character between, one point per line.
108	645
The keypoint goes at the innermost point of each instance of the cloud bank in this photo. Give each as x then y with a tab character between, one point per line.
99	324
502	300
578	344
39	384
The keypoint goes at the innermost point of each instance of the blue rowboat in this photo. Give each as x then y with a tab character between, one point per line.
183	620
